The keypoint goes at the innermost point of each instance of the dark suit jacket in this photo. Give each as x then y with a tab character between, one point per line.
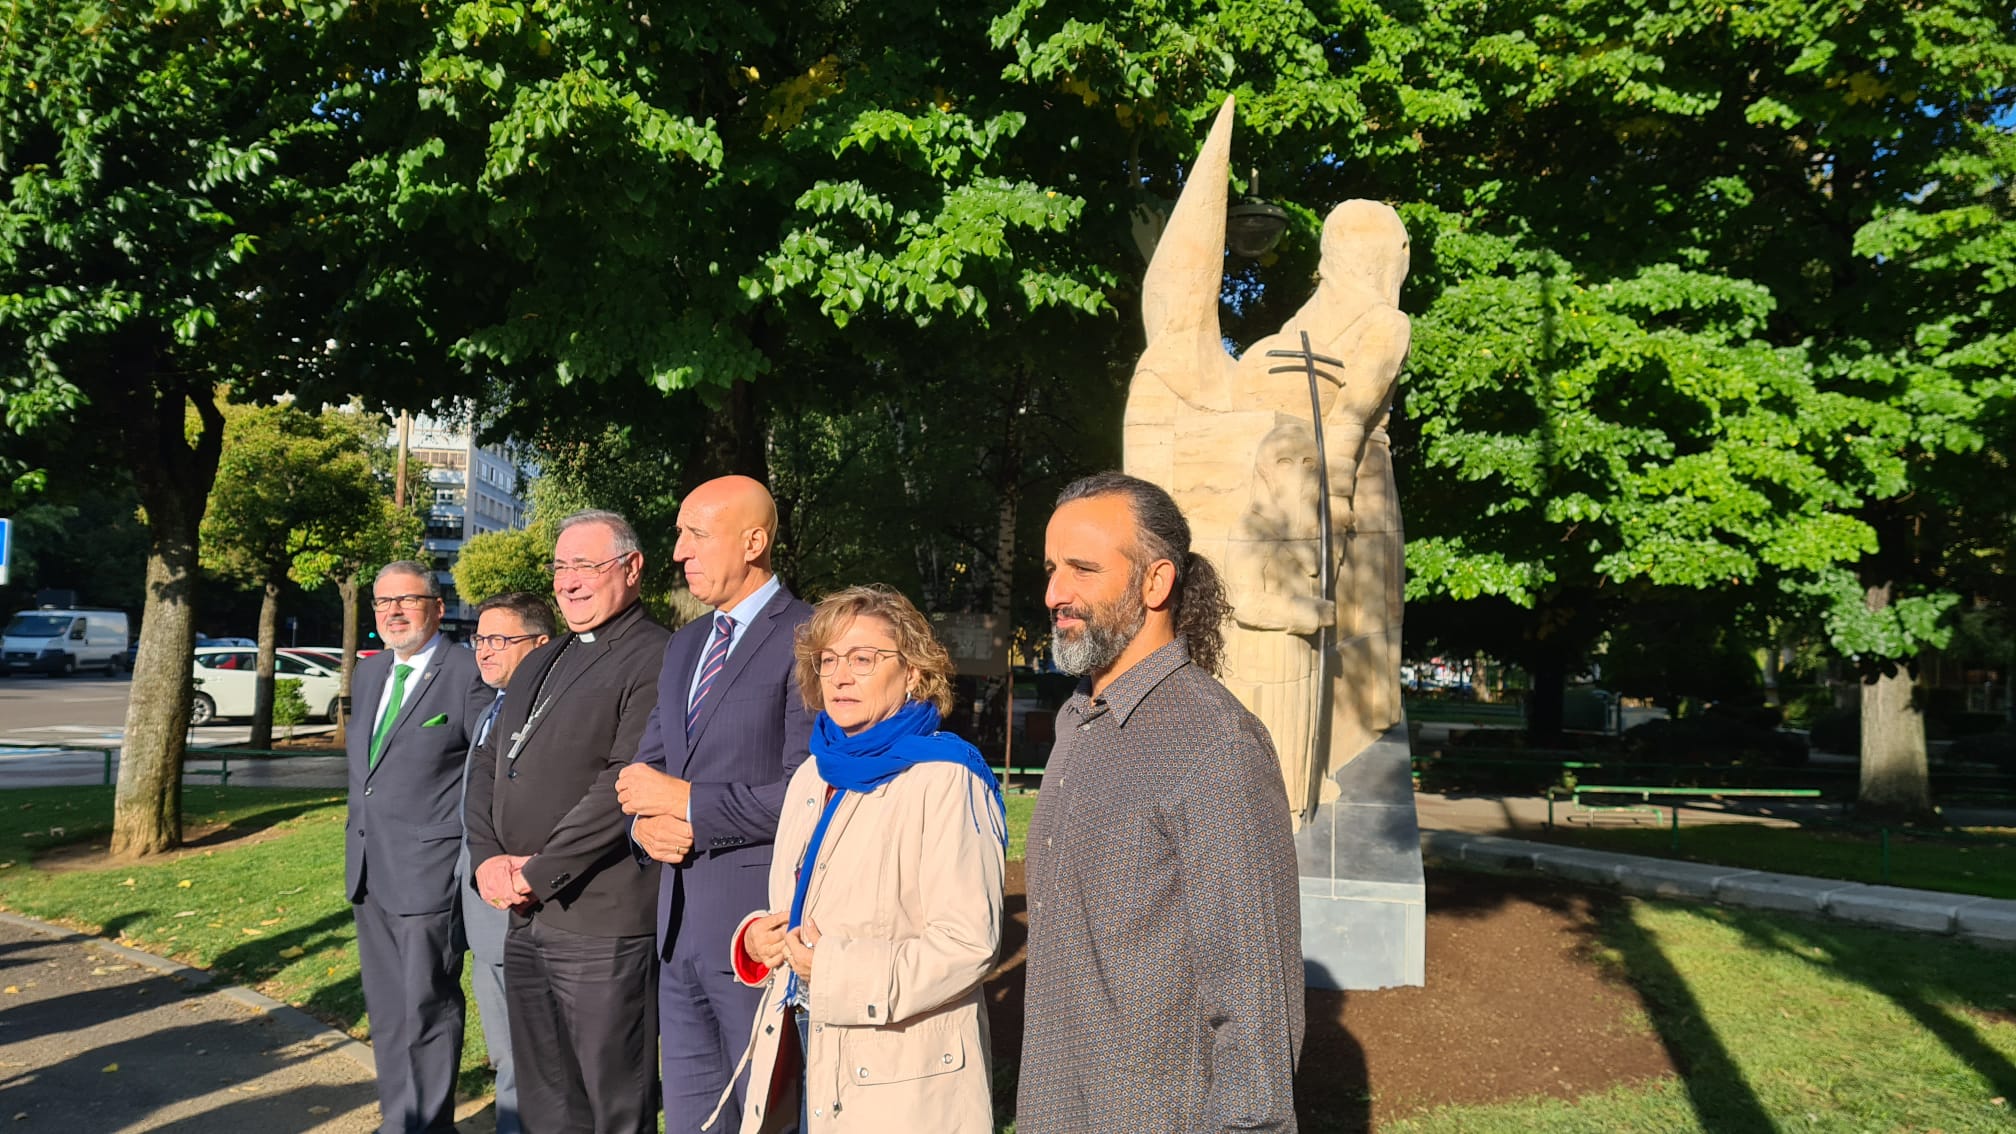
751	736
557	800
405	814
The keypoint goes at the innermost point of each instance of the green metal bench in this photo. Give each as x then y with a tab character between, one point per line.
1645	793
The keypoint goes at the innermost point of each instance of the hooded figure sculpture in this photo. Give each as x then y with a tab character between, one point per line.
1228	439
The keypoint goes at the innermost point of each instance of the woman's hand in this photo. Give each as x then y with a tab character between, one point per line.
799	944
765	940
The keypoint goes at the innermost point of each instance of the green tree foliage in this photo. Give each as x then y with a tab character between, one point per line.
492	563
289	707
176	221
717	192
1706	298
294	491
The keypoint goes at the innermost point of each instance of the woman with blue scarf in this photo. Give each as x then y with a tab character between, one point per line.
885	895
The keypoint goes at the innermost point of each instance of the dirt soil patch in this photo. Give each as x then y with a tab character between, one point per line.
1516	1005
315	744
197	839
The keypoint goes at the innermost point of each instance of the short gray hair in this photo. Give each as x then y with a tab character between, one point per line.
409	567
625	535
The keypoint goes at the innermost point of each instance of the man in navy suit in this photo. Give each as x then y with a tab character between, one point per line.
729	729
418	703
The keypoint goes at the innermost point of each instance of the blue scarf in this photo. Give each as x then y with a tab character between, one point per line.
873	757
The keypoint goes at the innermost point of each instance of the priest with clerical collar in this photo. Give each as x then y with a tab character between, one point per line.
551	844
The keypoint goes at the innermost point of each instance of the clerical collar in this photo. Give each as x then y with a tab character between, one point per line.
586	635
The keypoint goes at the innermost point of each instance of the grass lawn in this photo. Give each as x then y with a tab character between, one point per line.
1787	1023
1780	1022
268	913
1983	864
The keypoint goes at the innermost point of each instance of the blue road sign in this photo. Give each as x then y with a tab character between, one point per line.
6	548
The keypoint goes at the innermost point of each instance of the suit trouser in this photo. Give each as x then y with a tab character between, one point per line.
704	1015
582	1029
484	928
412	974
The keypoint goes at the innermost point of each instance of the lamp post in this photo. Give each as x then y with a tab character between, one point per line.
1253	226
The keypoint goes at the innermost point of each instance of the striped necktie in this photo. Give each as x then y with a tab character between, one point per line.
710	666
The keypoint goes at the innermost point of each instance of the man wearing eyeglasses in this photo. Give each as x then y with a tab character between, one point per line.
419	701
551	845
508	628
709	780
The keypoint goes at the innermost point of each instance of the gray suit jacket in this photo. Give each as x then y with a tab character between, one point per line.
405	823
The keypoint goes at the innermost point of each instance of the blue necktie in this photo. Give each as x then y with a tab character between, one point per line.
711	666
489	718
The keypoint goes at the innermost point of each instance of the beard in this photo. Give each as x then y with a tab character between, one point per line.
1106	634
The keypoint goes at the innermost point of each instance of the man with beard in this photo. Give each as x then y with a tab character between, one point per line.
418	703
1164	907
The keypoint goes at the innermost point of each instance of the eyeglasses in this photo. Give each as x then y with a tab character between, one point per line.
577	569
409	602
499	641
862	661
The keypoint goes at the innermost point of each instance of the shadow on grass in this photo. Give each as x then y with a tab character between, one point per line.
1722	1098
37	821
1933	981
339	1004
241	826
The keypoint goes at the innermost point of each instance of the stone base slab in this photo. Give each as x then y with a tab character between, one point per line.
1364	906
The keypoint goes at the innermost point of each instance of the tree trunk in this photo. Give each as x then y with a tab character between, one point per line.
1008	489
1543	700
346	587
262	685
174	477
1896	782
147	809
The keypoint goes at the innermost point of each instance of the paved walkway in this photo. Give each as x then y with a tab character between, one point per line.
97	1037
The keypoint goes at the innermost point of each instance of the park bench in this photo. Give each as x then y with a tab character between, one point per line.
1645	794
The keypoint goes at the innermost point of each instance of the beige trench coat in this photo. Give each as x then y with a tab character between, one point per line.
907	901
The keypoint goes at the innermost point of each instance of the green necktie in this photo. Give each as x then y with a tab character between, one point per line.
399	674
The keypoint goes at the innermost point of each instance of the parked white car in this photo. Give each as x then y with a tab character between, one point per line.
227	676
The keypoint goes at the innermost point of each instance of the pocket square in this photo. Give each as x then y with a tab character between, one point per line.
437	719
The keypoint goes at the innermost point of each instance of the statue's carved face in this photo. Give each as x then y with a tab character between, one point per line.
1364	243
1286	466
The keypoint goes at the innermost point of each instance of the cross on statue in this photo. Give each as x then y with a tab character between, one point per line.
1308	365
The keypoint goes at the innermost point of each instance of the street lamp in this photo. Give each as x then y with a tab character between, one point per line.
1252	226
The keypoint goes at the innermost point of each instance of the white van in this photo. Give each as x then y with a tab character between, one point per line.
64	641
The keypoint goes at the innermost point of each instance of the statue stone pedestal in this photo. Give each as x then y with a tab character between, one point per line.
1364	914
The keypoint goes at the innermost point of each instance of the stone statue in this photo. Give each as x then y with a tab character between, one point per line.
1234	443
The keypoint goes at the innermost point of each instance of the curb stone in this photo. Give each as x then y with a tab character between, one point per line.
1982	921
311	1030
